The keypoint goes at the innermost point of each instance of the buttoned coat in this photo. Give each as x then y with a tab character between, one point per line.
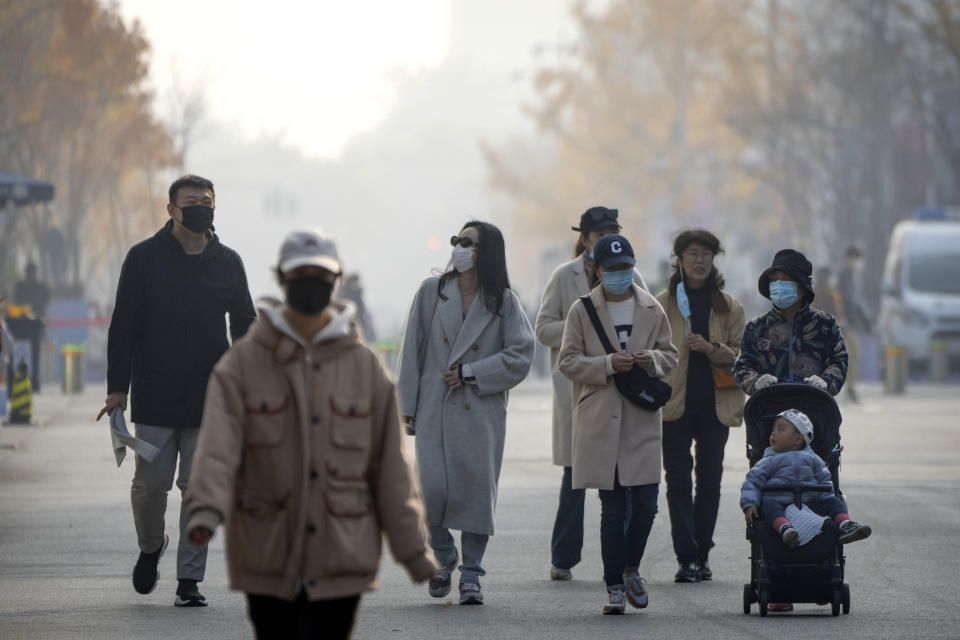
568	282
460	432
301	453
611	434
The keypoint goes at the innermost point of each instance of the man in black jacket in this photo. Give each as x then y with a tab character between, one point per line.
167	332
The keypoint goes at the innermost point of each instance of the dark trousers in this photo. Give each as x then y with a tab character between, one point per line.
567	541
693	518
771	508
622	541
301	619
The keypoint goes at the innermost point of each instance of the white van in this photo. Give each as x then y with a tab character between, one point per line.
921	287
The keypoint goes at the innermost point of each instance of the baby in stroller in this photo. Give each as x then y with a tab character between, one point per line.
789	460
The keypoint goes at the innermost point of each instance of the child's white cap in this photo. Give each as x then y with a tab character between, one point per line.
799	420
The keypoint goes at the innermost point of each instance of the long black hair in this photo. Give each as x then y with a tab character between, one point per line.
491	266
715	281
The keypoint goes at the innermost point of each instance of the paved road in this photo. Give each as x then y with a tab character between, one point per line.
67	544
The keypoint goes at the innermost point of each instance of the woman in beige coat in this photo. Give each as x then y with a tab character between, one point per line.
707	324
570	281
616	444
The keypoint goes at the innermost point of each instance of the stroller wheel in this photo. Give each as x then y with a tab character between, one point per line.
846	599
837	602
764	602
747	599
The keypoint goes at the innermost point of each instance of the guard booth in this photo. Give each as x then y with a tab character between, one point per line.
18	191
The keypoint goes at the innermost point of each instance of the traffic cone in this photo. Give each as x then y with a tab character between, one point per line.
21	400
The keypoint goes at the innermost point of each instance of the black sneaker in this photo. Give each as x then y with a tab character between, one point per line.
188	595
145	574
441	582
703	570
687	573
790	536
851	531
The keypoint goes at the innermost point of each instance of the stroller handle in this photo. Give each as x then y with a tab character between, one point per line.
798	490
793	488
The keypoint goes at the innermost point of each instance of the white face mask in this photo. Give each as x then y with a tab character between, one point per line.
463	258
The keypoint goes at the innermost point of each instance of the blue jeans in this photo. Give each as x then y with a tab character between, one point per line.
622	540
445	550
567	541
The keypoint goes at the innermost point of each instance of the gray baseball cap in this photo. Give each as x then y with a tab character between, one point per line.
309	248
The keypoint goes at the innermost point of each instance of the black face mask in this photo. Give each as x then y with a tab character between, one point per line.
197	217
309	295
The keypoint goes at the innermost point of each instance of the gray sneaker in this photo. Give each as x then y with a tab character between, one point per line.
441	583
470	593
636	594
616	601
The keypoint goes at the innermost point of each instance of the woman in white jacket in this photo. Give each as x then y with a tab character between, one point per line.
570	281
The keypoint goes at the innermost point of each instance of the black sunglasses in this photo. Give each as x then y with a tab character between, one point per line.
466	243
604	214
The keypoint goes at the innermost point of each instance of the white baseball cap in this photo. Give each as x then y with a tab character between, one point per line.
799	420
309	248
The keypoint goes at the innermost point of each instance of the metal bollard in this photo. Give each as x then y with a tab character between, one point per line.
939	362
898	364
21	399
72	368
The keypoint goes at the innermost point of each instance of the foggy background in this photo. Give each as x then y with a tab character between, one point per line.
773	123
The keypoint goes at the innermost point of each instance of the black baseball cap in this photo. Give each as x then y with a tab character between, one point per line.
596	218
612	250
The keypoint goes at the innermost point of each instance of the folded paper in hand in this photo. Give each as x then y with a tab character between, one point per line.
122	439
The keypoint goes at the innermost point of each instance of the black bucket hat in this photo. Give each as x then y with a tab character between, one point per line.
794	264
597	218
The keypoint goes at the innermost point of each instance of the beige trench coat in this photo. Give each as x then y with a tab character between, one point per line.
611	434
568	282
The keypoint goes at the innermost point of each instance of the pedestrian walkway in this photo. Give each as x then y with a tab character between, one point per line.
67	544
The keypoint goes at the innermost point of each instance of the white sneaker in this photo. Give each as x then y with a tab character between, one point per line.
556	573
616	601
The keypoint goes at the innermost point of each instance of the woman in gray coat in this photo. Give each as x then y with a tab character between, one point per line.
466	344
570	281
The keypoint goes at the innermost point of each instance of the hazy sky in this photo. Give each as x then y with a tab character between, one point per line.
311	73
388	100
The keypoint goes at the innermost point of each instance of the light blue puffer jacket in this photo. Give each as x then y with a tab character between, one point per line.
788	467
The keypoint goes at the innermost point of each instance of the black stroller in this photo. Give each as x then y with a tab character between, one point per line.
813	572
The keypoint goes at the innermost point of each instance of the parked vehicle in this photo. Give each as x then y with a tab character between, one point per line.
920	304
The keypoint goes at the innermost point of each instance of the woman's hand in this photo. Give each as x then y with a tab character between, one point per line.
622	362
643	359
200	536
697	343
750	514
452	377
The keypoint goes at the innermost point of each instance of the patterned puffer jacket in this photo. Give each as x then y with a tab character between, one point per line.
809	344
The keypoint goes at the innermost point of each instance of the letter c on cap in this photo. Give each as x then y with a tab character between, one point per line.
616	247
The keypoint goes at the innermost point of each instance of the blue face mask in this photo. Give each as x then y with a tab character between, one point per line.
683	301
617	282
783	294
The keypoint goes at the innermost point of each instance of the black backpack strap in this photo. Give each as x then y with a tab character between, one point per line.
598	327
